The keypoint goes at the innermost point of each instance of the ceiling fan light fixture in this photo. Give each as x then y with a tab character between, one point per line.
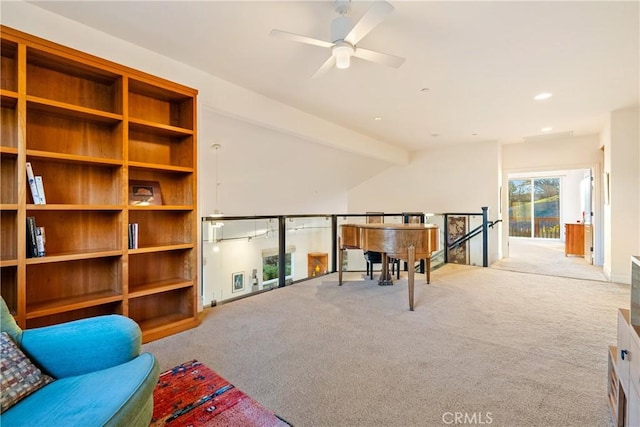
343	52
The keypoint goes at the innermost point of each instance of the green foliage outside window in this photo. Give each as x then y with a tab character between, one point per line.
534	208
270	267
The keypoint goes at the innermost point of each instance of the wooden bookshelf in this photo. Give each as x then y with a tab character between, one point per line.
90	127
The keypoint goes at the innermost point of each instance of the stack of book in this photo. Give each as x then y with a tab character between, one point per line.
36	239
37	188
133	235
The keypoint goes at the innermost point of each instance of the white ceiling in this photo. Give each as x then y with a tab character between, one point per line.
482	62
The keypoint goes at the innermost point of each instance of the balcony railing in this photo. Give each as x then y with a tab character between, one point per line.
547	227
252	254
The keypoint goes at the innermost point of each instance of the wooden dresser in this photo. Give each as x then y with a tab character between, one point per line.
574	239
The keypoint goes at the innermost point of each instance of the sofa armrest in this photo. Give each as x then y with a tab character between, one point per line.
83	346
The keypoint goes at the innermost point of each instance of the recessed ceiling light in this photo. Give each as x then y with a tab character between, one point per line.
435	135
377	118
474	134
547	129
541	96
424	89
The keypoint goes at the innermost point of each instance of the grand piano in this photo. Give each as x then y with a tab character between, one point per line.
408	242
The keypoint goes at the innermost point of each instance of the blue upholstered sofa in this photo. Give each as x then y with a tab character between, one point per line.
101	378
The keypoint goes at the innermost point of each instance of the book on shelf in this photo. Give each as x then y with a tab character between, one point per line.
40	188
133	235
41	240
32	241
34	187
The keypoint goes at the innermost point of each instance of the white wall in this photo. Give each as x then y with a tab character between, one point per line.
265	172
458	178
605	143
622	148
571	196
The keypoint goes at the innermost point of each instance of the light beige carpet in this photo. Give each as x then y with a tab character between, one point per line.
547	257
514	348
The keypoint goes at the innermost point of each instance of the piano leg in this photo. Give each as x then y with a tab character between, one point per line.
411	252
385	275
340	257
428	269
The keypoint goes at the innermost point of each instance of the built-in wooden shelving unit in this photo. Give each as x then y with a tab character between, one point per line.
90	128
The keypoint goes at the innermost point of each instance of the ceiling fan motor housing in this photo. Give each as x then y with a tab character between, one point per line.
340	27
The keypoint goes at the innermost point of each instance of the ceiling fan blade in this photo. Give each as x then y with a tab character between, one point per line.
328	64
300	39
369	21
379	57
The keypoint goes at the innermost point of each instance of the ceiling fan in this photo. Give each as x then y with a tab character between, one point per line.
345	37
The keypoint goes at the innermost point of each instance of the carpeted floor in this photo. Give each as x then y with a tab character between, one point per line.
540	256
501	347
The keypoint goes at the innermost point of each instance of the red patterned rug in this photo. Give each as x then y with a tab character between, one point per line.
191	394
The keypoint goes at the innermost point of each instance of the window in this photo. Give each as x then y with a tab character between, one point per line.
534	208
270	265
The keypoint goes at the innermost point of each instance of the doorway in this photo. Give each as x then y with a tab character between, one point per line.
538	206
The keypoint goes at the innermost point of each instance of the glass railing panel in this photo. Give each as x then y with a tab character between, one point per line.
352	259
238	257
309	239
437	258
393	219
475	244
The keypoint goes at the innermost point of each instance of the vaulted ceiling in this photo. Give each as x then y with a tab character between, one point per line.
471	70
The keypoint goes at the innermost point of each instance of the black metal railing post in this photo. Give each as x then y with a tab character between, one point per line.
334	243
282	251
485	236
445	230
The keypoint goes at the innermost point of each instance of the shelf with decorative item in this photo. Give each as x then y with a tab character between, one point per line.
81	181
158	189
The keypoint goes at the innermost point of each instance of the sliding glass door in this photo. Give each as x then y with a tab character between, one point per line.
534	207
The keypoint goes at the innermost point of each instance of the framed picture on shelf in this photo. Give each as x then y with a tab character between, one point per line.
144	193
237	281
